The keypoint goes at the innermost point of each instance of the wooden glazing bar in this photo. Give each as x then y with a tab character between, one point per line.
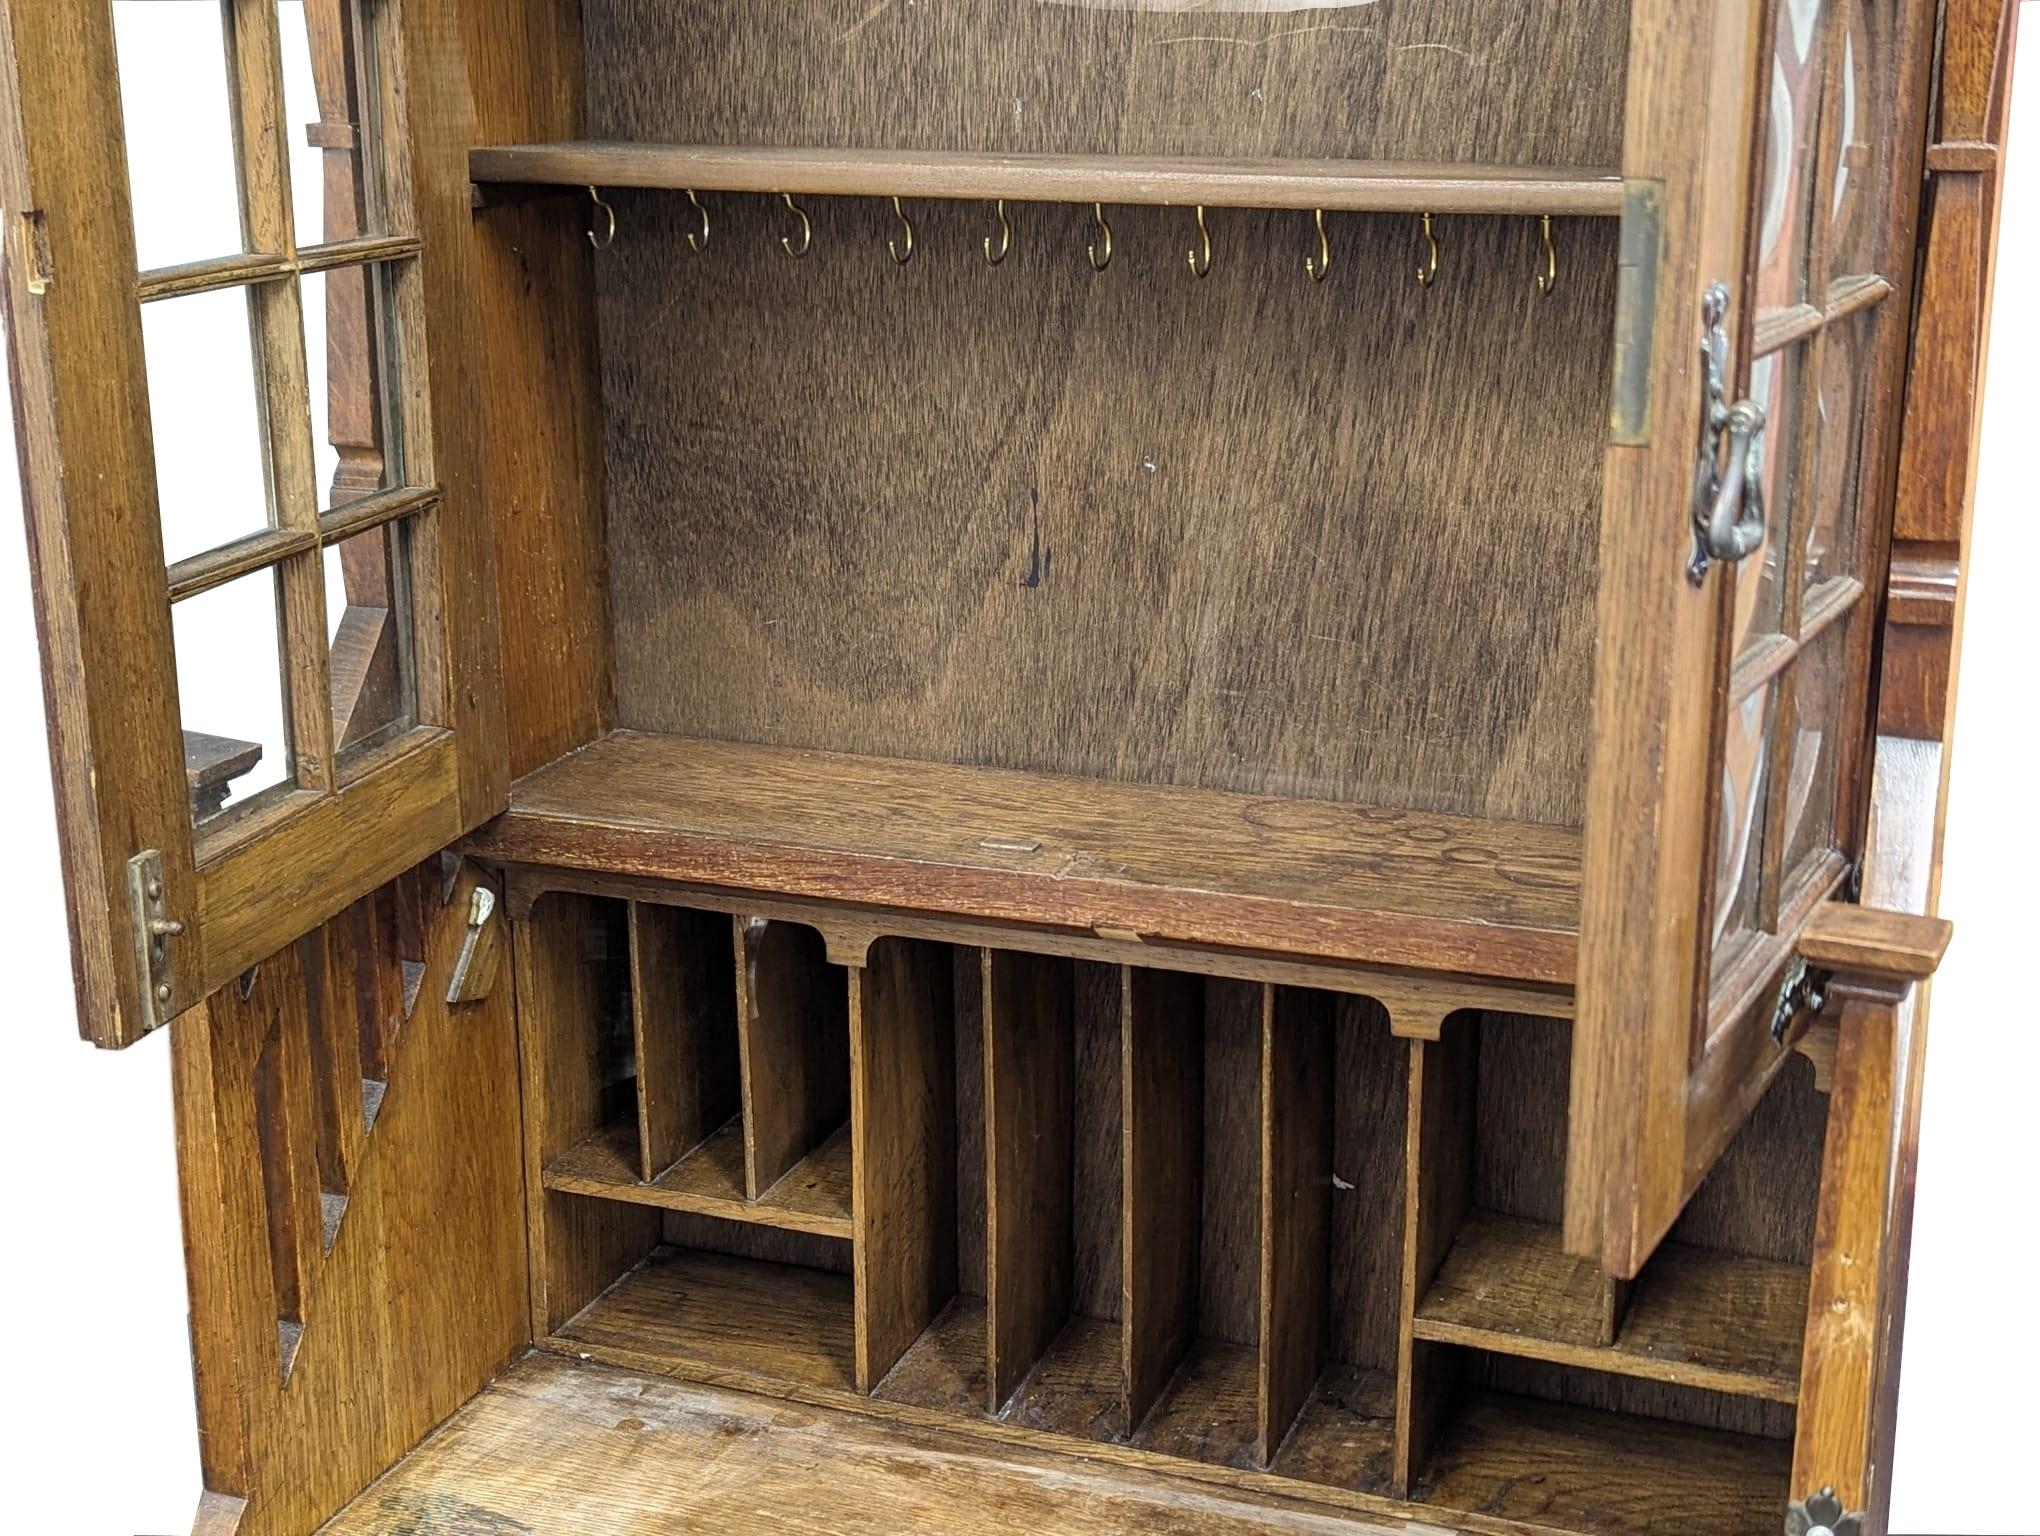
217	567
366	512
1766	658
357	252
903	1125
684	1020
793	1033
1779	328
211	275
1162	1127
1029	1016
1296	1208
1437	1190
1854	292
1359	186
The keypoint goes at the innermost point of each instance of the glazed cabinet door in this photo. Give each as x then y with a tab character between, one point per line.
235	309
1772	171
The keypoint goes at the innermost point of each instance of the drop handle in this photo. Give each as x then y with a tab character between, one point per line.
1728	481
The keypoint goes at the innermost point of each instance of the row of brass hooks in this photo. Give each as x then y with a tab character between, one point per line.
900	247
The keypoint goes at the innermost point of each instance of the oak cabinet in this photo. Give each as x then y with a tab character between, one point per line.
1117	735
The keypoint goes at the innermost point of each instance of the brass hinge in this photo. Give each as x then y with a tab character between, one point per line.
37	267
154	928
1636	296
1822	1515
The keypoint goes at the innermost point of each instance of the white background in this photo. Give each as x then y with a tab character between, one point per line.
92	1284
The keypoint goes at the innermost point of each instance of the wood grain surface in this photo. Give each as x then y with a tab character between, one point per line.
1250	533
1292	876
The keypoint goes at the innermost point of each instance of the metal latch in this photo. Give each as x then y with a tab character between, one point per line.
474	970
154	928
37	269
1801	990
1728	490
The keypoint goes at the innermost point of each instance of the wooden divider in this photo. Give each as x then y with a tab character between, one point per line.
1296	1208
1162	1133
1030	1014
683	1014
793	1033
564	987
1437	1189
903	1132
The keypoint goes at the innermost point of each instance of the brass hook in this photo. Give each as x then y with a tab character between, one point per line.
1427	274
1005	238
697	243
1548	278
1320	264
608	237
1203	268
901	255
1100	262
807	229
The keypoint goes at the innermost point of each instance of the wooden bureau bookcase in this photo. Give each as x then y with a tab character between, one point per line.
1044	764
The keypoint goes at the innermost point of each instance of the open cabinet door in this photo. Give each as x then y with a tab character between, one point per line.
266	604
1767	260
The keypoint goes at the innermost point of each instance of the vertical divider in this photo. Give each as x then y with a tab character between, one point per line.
684	1018
1437	1190
793	1040
1030	1105
578	1246
1162	1133
903	1147
1296	1206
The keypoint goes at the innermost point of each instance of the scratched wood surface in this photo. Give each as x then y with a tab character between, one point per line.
1444	80
1251	533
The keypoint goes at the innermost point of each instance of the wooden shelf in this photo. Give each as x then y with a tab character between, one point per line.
724	1319
1304	878
1580	1469
1209	1410
813	1197
1695	1318
1346	185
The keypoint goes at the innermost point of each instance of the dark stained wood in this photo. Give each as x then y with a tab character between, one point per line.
1029	1013
990	572
1345	1436
1209	1411
1437	1188
1075	1389
774	1321
683	993
709	1180
1714	1320
1470	80
968	999
1162	1080
1357	186
1296	1206
1370	1098
945	1367
1097	1161
793	1033
1410	889
903	1124
569	958
1582	1470
1229	1242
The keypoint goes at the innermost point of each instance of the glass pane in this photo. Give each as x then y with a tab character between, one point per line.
177	107
1738	858
212	475
230	694
1817	678
1785	210
1860	149
327	105
348	362
1837	451
1775	384
368	615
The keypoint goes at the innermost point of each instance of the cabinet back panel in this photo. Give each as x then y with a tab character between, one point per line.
1491	80
1250	533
